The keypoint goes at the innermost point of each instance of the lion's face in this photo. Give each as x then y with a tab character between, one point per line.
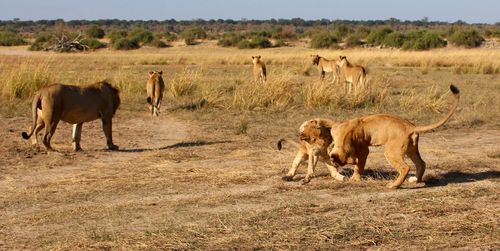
255	59
315	59
312	132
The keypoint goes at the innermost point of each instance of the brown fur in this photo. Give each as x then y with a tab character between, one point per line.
353	75
398	136
259	69
325	65
75	105
154	88
314	138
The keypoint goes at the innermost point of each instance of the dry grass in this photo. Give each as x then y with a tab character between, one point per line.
205	175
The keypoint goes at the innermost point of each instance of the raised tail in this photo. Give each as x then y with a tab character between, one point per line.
281	141
456	95
34	106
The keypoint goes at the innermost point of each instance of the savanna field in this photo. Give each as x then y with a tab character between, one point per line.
206	173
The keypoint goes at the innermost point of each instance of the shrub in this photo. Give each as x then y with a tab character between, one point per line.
230	39
353	41
423	40
9	38
93	43
324	40
468	39
158	43
116	35
42	39
190	35
376	37
94	31
140	35
394	39
125	44
255	42
169	37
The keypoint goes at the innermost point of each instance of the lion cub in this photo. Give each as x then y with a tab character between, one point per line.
314	138
259	69
155	87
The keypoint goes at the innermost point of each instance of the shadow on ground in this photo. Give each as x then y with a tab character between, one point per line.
176	145
461	177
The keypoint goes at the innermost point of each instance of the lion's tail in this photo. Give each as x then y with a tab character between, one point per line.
34	106
456	95
281	141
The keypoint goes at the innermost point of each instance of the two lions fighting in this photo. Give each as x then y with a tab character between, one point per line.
350	141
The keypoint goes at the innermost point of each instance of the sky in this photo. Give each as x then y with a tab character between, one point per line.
470	11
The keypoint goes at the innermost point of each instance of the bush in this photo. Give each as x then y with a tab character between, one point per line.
423	40
324	40
9	38
125	44
93	43
190	35
117	35
230	39
255	42
169	37
94	31
140	35
377	37
468	39
158	43
394	39
42	39
353	41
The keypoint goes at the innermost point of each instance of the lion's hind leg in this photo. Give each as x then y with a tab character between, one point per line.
415	157
396	160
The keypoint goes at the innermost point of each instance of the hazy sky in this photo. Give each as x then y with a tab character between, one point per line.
471	11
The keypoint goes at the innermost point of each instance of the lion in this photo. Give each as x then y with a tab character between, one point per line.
325	65
75	105
314	138
353	75
259	69
398	136
154	88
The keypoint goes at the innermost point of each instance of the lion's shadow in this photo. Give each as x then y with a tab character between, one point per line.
443	179
176	145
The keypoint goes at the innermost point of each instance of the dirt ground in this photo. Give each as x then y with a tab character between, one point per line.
176	183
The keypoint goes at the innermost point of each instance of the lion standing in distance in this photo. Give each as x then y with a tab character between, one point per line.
75	105
154	88
398	136
259	69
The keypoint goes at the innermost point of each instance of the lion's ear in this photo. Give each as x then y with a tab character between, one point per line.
253	57
151	73
160	72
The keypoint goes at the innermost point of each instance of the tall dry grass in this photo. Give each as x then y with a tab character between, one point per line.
25	79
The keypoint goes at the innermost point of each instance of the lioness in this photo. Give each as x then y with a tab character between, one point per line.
314	138
399	137
154	88
75	105
353	75
325	65
259	69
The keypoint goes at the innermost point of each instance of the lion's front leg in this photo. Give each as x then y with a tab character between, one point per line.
77	135
107	128
313	160
296	162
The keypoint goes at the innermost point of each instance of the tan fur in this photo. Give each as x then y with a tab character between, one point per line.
154	88
314	138
259	69
75	105
325	65
398	136
353	75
